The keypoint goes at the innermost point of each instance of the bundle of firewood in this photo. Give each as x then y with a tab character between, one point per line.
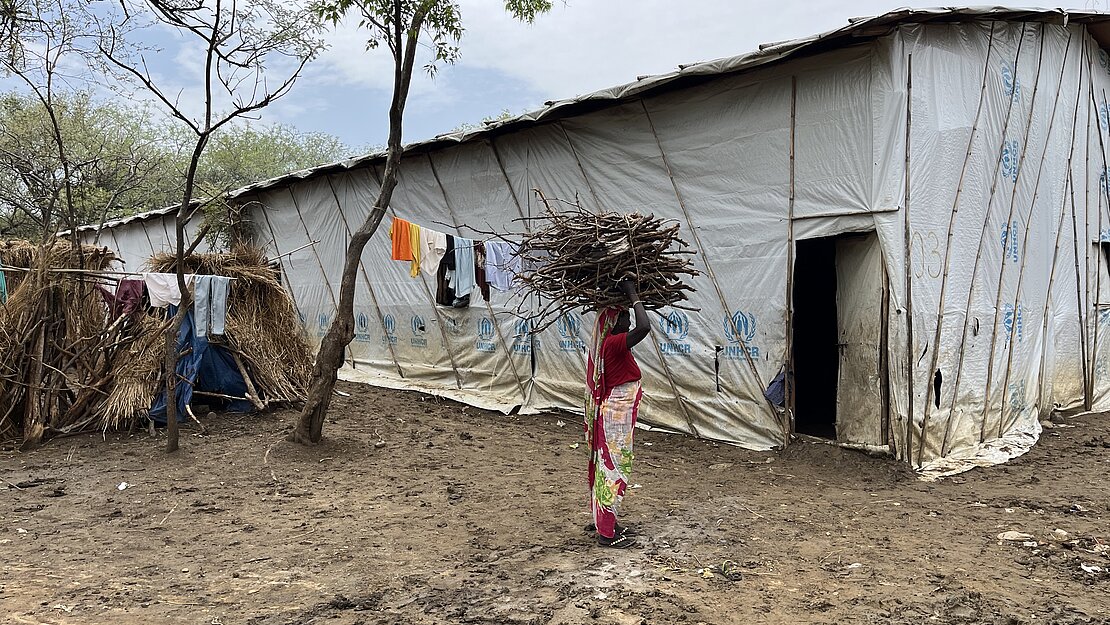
574	258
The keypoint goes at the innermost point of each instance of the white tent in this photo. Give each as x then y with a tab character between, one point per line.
136	238
906	211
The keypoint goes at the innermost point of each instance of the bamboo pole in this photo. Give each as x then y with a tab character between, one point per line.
937	335
366	281
1002	266
489	307
281	267
1100	257
581	168
527	228
1079	293
1104	193
427	291
908	260
654	339
1012	343
708	266
788	357
1069	190
1048	298
316	255
979	254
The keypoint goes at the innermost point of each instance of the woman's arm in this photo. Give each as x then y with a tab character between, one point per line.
643	326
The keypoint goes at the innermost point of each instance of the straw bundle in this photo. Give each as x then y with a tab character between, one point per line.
263	327
576	259
137	373
67	365
55	338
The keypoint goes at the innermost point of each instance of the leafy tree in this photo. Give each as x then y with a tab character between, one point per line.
117	164
239	39
128	159
401	26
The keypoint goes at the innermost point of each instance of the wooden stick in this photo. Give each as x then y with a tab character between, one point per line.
937	335
1002	267
978	259
252	393
788	357
908	260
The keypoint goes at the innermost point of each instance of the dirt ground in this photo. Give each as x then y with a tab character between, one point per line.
417	510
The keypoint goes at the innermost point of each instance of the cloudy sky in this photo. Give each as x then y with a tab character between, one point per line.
581	46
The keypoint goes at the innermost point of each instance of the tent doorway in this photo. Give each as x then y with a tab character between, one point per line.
839	339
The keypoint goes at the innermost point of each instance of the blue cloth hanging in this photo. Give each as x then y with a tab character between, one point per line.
207	368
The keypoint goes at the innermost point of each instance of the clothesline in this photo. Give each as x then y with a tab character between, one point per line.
93	272
459	264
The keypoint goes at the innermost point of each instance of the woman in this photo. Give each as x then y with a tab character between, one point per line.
613	379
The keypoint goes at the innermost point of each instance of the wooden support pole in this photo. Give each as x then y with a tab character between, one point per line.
788	357
319	263
652	333
938	333
758	383
907	452
988	387
948	248
489	307
952	413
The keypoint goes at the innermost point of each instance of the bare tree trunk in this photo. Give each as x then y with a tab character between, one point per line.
311	424
342	331
171	384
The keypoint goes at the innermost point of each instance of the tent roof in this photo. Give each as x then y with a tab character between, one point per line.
857	30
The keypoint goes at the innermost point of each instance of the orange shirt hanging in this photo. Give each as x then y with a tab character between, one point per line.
401	233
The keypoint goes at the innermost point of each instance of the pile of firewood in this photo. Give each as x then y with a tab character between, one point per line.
56	339
574	258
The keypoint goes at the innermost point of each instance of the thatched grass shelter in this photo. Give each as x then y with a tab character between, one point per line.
67	363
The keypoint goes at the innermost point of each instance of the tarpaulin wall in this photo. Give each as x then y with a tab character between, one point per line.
988	219
714	157
1004	163
137	240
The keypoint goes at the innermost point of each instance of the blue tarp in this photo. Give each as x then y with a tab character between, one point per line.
208	367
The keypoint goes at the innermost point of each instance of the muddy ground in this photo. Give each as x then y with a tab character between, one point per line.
417	510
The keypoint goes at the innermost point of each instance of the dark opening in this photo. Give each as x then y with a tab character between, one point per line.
816	351
937	378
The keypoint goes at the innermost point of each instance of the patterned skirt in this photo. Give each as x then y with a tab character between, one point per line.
610	446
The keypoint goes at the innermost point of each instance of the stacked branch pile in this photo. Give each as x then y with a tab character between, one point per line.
574	258
67	364
56	339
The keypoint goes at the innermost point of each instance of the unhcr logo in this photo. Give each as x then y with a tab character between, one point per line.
740	332
322	320
522	340
485	336
675	326
1010	160
419	329
389	324
1010	82
362	327
569	326
1013	322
